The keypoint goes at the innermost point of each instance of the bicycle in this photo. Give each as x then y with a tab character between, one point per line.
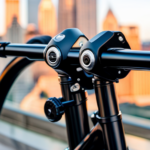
104	59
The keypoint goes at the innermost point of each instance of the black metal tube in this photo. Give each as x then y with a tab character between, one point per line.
31	51
126	59
77	124
106	99
35	52
109	116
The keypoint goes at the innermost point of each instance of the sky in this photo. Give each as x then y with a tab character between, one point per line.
127	12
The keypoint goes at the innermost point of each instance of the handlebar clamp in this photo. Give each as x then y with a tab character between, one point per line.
90	55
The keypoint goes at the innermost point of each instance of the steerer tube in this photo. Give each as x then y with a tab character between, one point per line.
126	59
109	115
77	124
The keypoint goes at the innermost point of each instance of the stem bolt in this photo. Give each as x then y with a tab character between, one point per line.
119	72
120	38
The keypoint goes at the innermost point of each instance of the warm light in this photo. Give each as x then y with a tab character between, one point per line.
47	20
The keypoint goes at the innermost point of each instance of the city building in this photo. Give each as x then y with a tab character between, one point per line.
78	14
110	22
15	32
86	17
47	19
33	6
12	10
66	14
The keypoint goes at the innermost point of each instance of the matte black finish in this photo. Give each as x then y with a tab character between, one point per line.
53	109
76	116
108	108
126	59
9	74
31	51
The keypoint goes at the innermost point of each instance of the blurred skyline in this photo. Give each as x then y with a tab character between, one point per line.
135	12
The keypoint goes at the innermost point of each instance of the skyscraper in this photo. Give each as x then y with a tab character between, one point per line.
79	14
15	32
110	22
86	17
66	14
47	18
33	12
12	10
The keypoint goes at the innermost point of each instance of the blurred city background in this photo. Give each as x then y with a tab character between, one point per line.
24	19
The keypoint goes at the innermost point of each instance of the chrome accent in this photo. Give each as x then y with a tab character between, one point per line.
92	60
120	38
58	56
75	87
59	37
79	69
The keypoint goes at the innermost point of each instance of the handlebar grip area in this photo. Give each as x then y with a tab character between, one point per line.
126	59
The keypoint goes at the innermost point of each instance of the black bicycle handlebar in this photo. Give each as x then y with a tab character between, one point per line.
31	51
123	59
34	51
126	59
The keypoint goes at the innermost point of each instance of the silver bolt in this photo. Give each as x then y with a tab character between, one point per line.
119	72
120	38
93	80
81	44
79	69
78	79
82	88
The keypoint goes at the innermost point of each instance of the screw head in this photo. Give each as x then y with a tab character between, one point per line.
119	72
81	44
93	80
120	38
79	69
78	79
